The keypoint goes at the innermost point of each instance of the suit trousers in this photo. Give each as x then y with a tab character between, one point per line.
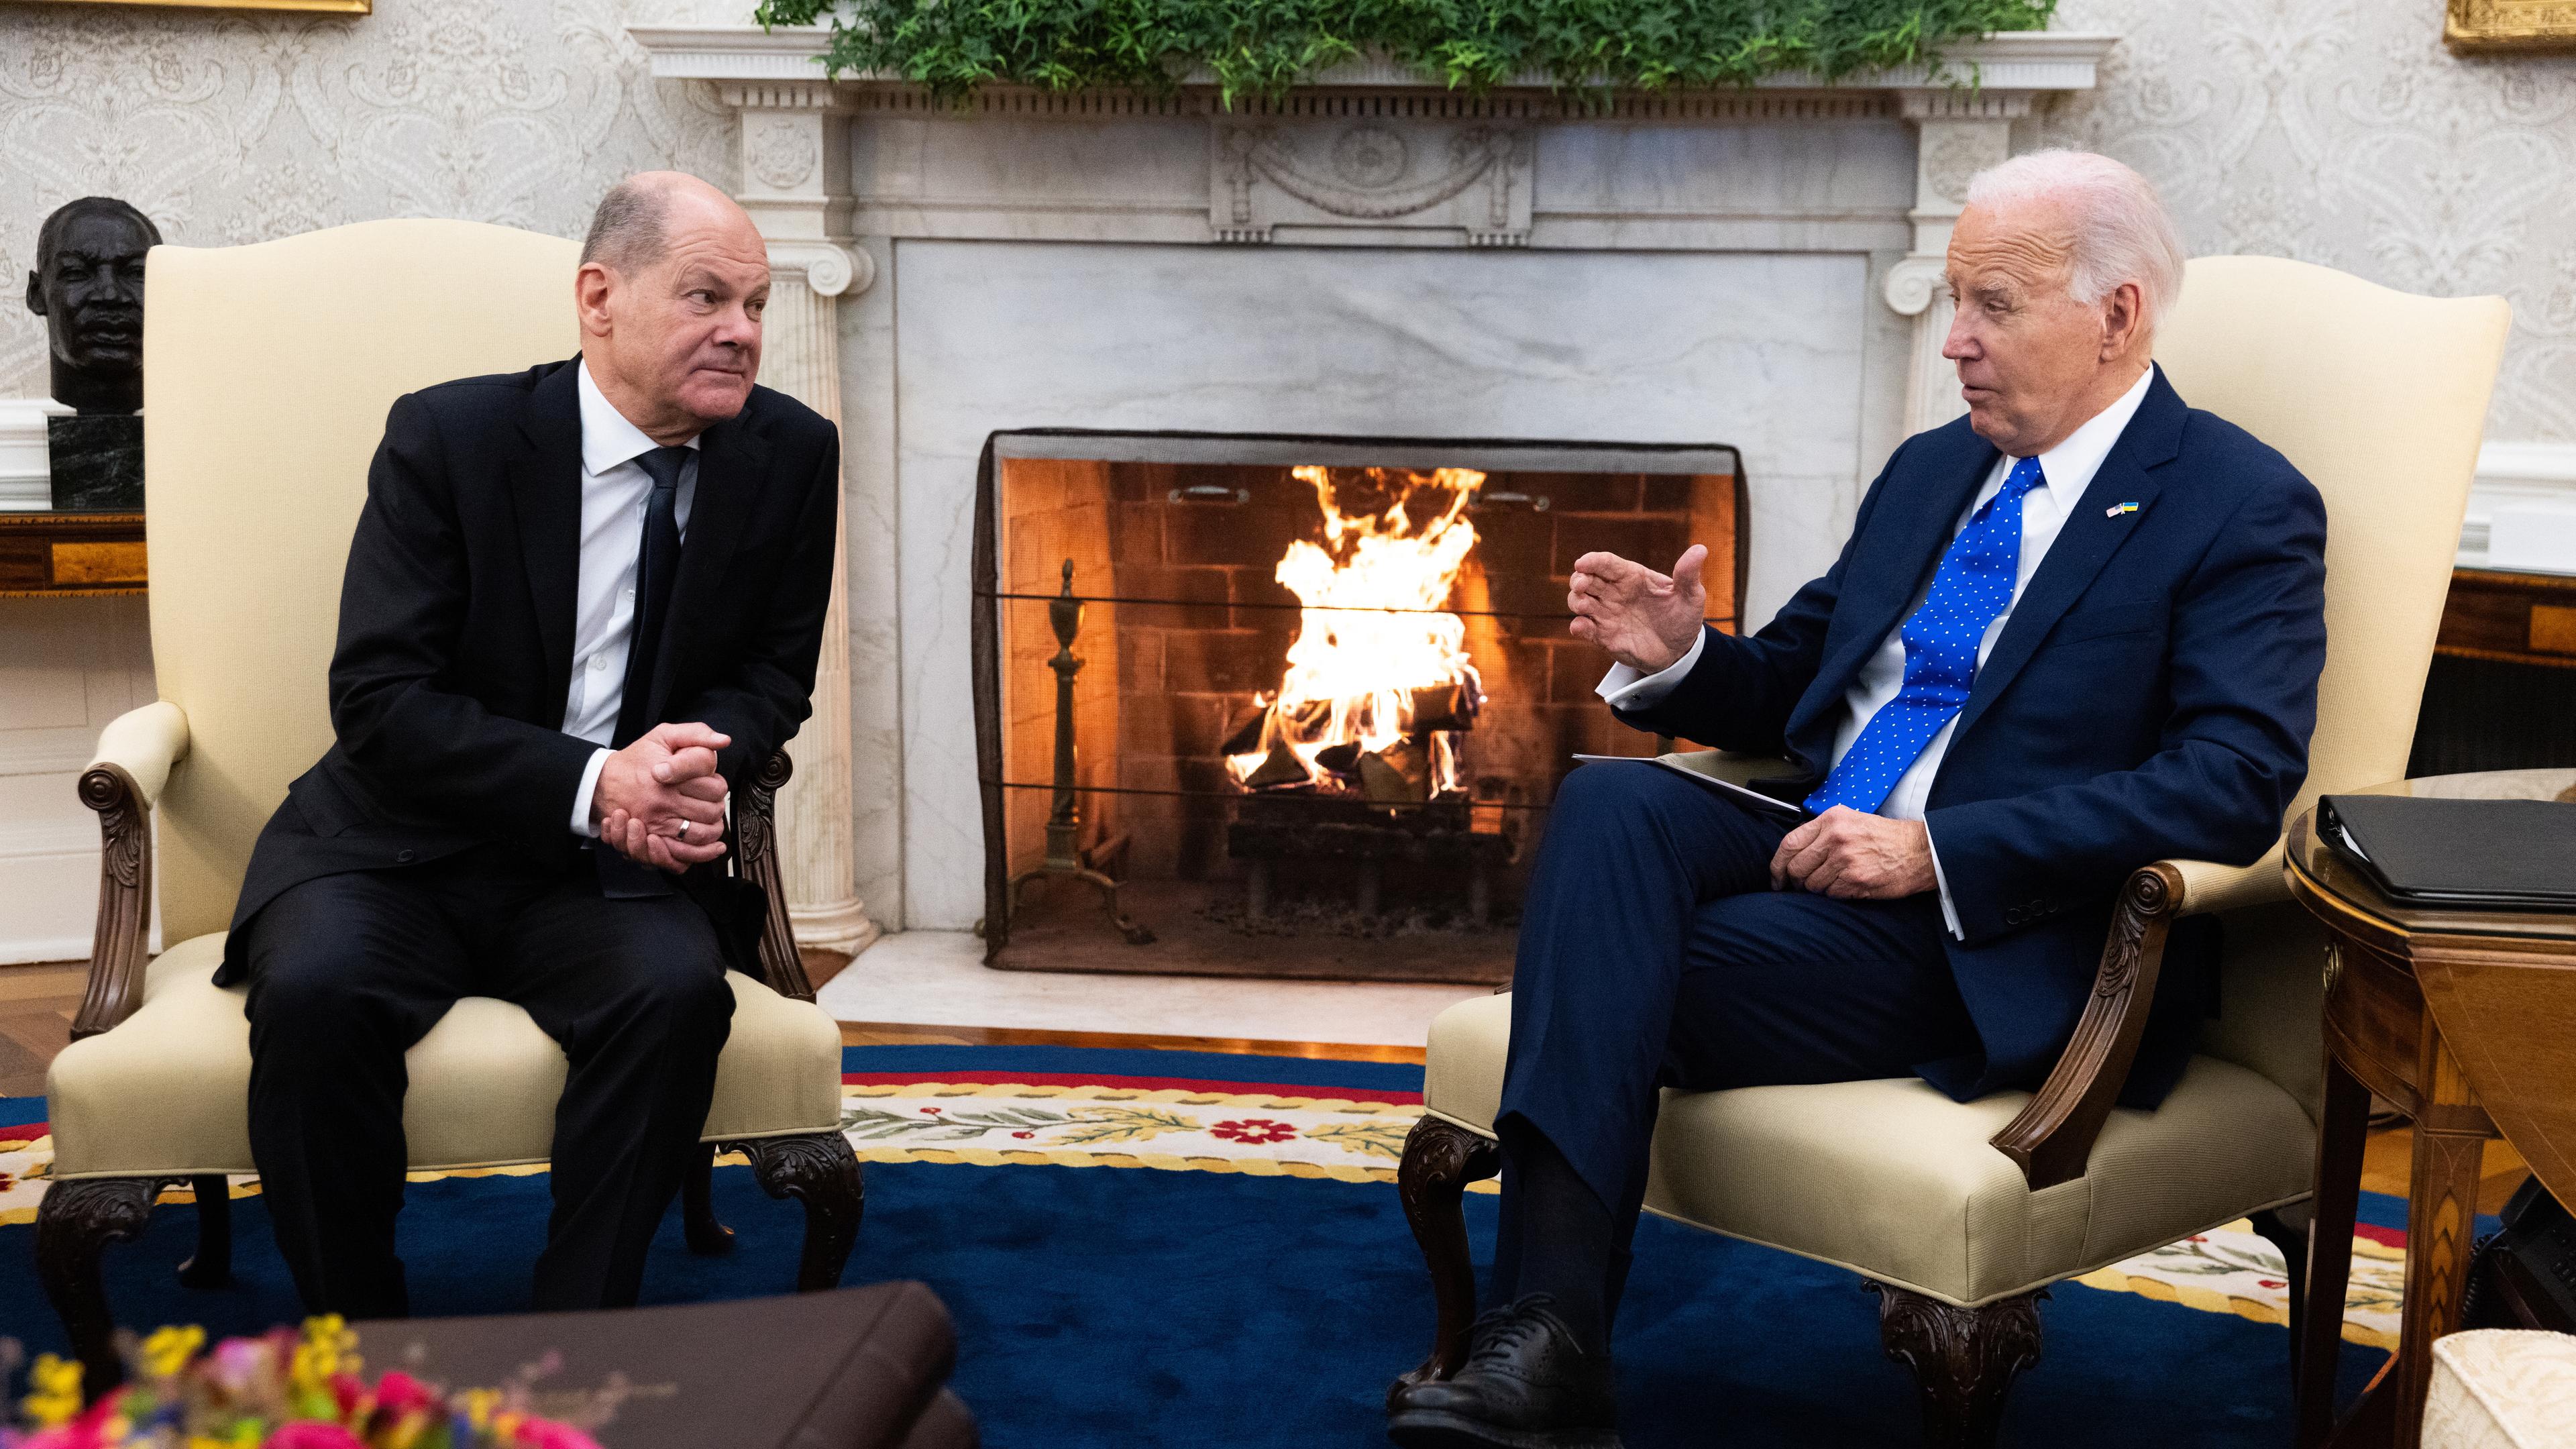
1654	954
348	971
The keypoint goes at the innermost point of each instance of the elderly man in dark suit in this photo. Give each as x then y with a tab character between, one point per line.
582	603
2077	630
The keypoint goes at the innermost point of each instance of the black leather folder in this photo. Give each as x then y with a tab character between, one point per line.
2509	855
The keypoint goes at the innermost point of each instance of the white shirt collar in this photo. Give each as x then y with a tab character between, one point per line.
2069	467
607	438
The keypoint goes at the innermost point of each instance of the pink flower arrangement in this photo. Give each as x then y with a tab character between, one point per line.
282	1390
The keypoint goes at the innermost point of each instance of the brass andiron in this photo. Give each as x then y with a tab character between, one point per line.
1064	823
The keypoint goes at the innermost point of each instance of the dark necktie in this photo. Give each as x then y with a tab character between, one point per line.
657	564
657	567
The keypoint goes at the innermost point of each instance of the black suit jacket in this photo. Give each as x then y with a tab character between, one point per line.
456	634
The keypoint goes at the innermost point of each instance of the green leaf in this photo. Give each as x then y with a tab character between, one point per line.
1265	47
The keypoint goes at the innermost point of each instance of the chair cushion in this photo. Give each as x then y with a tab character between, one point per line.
1894	1180
168	1090
2502	1388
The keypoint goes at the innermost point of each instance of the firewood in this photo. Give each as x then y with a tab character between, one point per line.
1282	767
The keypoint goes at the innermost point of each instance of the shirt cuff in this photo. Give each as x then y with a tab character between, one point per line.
1625	688
1949	912
581	798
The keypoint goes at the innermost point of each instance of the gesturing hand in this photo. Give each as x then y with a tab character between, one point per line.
660	801
1644	619
1854	856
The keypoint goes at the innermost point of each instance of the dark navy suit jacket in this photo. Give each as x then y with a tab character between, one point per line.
2151	696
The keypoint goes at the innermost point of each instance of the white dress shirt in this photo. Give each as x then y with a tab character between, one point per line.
2067	470
615	490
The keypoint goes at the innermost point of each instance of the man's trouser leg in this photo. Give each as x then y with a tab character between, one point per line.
634	990
1654	954
346	973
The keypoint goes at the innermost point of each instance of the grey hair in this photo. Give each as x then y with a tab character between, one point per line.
629	231
2122	231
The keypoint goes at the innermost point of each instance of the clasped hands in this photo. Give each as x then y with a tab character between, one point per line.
660	802
1648	621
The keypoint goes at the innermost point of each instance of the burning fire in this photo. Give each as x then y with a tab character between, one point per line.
1394	687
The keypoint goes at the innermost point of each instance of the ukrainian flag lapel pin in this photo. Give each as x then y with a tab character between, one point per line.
2116	509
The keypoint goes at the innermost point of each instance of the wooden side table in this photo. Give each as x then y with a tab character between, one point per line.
54	554
2411	1014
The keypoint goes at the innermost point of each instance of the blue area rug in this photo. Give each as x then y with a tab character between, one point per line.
1102	1306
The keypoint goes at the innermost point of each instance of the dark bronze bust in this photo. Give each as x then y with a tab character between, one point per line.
88	286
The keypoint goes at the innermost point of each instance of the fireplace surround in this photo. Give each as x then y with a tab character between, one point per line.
1755	265
1365	812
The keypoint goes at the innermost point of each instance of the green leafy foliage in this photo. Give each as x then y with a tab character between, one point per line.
1262	47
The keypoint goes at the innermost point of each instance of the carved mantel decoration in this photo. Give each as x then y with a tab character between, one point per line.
1470	179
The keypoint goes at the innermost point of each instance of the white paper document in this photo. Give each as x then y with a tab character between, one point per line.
1680	764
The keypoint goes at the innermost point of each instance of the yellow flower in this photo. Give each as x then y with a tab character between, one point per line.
57	1396
328	1348
479	1404
168	1350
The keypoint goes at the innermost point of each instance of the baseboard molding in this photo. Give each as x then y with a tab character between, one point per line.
2510	474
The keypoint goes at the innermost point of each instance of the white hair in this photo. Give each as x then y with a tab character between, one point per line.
2122	231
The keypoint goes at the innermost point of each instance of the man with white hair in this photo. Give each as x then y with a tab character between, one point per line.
2075	631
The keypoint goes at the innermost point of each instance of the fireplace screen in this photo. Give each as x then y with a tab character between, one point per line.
1296	706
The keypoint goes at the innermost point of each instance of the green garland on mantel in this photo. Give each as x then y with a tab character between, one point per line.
1264	47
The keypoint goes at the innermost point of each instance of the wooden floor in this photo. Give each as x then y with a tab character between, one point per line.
37	1003
36	1007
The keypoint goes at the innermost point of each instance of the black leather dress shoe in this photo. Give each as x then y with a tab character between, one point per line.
1526	1385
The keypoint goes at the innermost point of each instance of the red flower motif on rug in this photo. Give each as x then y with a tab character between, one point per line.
1253	1131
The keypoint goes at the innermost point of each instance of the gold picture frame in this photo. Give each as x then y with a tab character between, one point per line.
2507	25
325	7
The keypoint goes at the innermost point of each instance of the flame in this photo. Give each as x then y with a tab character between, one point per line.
1351	673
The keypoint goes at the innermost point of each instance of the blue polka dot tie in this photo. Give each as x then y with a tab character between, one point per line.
1973	586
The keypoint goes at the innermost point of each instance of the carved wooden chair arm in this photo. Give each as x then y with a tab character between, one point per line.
756	860
2052	1138
135	755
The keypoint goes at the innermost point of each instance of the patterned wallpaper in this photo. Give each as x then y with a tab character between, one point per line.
2341	132
2337	131
239	126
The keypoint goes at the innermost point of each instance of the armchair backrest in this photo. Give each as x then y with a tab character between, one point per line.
2380	398
268	371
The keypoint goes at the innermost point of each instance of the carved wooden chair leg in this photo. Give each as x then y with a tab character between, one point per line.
1440	1159
708	1237
2293	1244
211	1266
1964	1359
74	1223
819	1170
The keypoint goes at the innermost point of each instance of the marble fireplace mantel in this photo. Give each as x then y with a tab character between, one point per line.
1368	254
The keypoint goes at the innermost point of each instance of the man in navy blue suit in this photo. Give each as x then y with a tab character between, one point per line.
2075	631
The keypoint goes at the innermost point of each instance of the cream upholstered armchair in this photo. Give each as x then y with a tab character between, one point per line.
268	373
1962	1215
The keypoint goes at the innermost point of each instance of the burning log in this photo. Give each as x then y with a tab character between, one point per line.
1379	671
1400	774
1280	767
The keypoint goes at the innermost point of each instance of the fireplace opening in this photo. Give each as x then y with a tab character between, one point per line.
1296	707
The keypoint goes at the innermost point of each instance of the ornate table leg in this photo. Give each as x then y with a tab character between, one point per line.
2451	1135
2340	1137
